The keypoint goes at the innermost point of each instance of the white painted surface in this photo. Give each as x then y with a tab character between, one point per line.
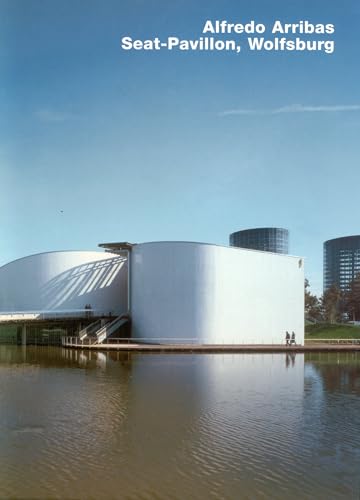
63	282
213	294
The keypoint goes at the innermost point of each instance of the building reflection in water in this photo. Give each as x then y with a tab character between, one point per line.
338	371
224	419
175	426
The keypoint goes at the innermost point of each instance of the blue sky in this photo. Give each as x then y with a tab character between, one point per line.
98	144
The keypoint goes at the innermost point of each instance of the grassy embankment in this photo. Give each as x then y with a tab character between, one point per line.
329	331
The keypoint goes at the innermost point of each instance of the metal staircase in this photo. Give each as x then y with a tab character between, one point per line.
90	330
105	331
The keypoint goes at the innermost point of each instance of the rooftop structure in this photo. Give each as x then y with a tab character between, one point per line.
267	239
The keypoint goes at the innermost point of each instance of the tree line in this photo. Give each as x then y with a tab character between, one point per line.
334	305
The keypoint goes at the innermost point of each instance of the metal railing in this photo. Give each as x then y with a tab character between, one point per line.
77	341
105	331
57	314
332	341
92	328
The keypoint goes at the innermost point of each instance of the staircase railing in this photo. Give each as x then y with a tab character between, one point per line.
93	328
104	332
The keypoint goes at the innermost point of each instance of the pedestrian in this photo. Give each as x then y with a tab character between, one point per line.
293	338
287	338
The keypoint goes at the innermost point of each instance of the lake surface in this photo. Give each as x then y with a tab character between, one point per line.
152	426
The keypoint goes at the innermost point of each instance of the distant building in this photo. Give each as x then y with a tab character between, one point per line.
267	239
341	261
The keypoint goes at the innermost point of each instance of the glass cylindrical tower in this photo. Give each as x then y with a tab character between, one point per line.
267	239
341	261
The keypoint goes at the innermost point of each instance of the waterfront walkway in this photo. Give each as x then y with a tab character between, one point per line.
215	348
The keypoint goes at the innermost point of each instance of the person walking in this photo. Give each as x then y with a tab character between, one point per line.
293	338
287	338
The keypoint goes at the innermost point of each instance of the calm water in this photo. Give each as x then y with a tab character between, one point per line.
94	425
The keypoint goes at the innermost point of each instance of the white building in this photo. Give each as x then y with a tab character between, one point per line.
213	294
62	282
176	291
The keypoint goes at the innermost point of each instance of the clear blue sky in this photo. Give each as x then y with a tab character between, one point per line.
98	144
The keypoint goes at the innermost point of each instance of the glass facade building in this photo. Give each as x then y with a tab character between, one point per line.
40	332
267	239
341	261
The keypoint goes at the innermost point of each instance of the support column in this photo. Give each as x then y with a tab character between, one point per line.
23	335
129	281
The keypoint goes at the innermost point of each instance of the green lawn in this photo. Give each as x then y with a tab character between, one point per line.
328	331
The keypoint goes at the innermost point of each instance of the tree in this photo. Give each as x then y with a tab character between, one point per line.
312	304
332	304
352	299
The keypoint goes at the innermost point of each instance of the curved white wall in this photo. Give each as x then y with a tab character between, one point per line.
213	294
63	281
